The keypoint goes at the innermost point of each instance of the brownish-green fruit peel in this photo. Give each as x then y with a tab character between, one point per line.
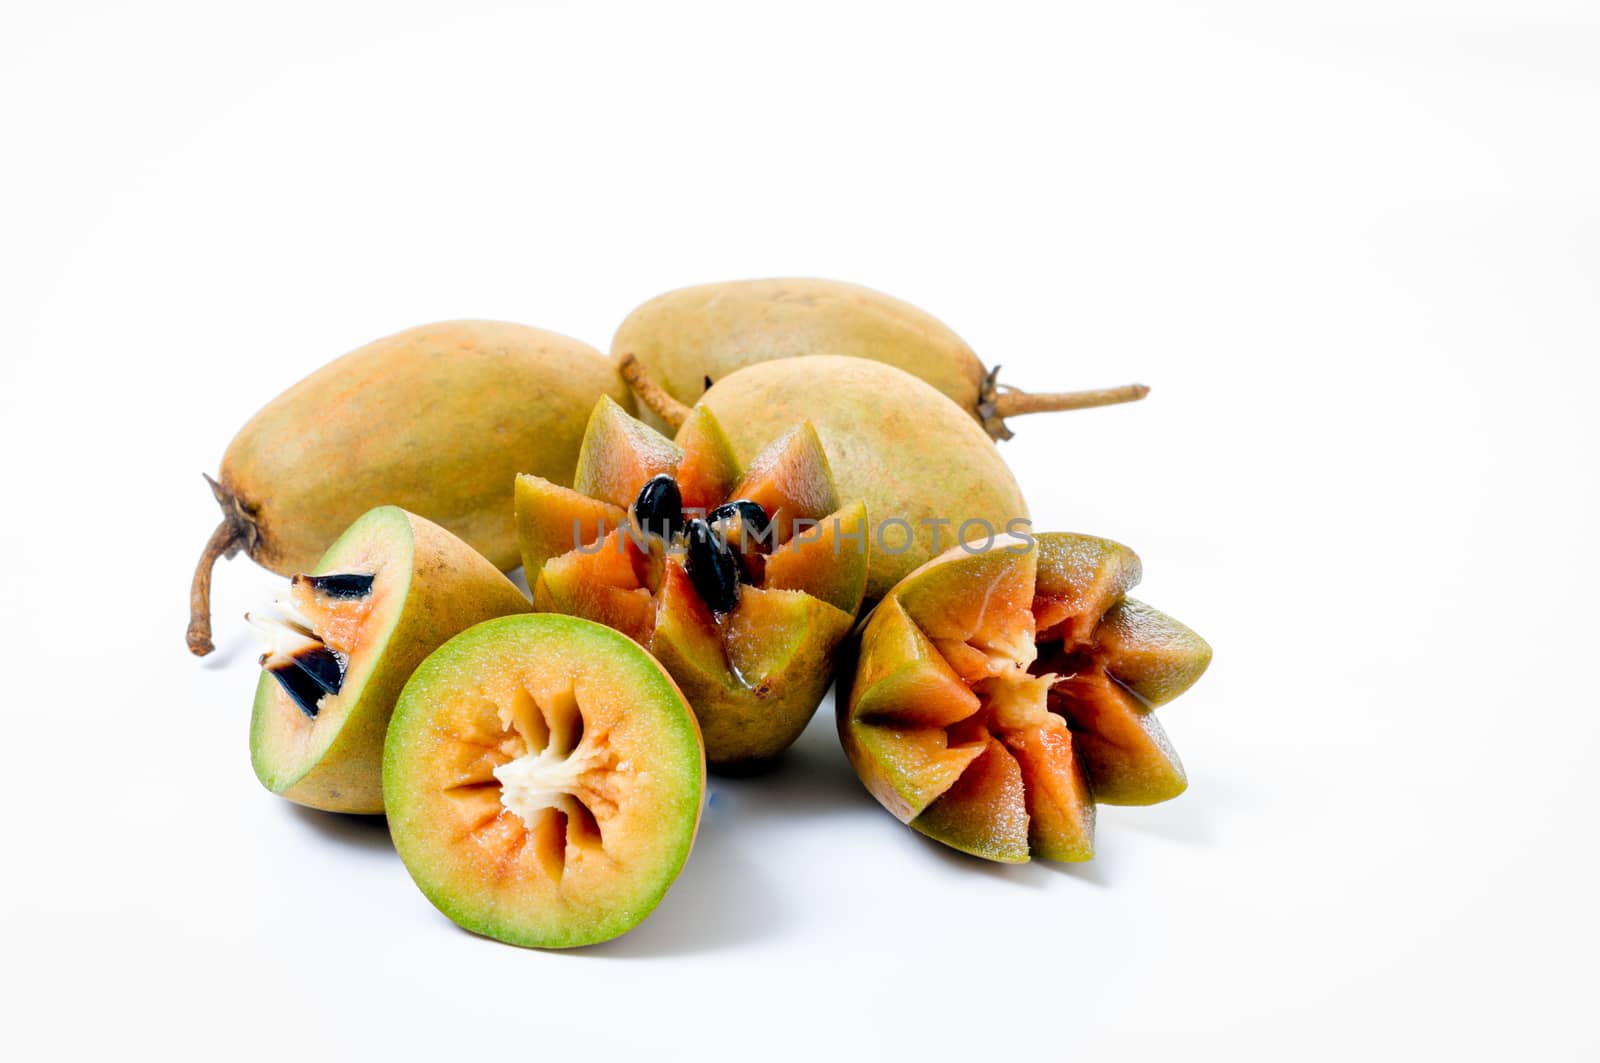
437	419
544	779
404	585
686	337
998	696
892	440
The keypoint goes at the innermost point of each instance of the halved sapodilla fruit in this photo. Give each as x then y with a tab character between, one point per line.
1000	694
343	639
742	583
544	779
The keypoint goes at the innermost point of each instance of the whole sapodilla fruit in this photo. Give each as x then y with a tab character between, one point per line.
687	337
437	420
343	640
743	582
543	779
924	468
1000	694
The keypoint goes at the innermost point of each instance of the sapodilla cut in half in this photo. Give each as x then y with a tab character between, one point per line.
999	695
544	780
742	582
343	640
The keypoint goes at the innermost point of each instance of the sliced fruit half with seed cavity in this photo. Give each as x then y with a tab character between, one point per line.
744	583
341	642
544	780
998	696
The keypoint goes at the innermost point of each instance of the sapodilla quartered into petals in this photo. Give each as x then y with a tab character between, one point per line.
997	697
746	602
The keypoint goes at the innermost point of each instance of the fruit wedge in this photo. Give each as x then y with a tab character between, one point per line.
743	583
999	695
342	641
544	779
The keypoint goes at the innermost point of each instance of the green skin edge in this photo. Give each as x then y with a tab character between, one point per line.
343	773
679	751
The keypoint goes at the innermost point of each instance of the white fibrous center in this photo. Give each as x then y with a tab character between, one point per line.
538	781
1017	700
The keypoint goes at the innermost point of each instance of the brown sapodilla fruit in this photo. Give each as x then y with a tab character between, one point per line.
924	468
690	335
437	419
1000	695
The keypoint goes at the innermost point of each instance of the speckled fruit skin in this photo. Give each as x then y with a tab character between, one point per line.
477	885
891	439
448	588
936	756
437	419
714	330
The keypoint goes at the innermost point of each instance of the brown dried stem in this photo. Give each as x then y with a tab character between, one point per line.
236	532
652	394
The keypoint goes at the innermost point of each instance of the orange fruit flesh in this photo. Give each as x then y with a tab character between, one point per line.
543	778
999	696
349	626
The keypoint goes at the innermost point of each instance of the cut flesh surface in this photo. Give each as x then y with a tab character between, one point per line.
998	696
754	670
419	586
544	778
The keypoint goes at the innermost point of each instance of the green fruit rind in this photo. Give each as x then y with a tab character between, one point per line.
590	649
959	817
841	534
448	588
756	708
1156	657
619	454
906	770
541	538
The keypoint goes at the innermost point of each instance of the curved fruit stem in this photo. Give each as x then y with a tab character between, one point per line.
996	402
652	394
237	531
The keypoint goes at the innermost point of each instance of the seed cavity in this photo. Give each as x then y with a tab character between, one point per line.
348	586
546	787
296	656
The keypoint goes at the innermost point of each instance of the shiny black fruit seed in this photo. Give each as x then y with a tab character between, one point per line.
347	585
659	508
711	567
307	675
751	515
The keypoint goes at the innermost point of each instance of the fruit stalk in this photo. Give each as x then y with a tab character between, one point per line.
236	532
652	394
998	401
994	406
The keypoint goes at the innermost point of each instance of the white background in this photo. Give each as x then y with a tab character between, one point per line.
1355	249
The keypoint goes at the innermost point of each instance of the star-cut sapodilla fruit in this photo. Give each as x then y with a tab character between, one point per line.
743	583
998	695
341	642
544	779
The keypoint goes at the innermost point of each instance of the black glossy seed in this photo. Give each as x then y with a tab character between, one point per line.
307	675
325	667
712	567
301	690
751	515
340	584
659	508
